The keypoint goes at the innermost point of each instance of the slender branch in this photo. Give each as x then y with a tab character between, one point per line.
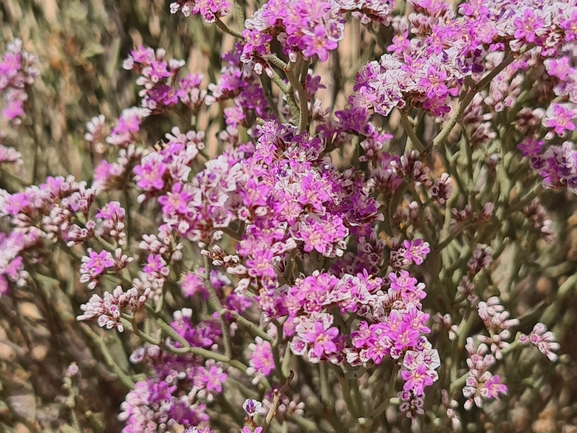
441	137
276	401
217	305
288	92
239	15
277	62
231	233
226	29
252	327
304	109
99	342
411	133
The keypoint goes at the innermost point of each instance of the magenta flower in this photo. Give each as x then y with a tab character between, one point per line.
14	109
544	340
570	26
156	266
493	387
560	68
256	42
313	192
127	127
94	265
193	283
560	118
213	378
247	429
417	379
150	173
260	265
415	251
261	359
156	71
317	43
176	201
322	339
528	25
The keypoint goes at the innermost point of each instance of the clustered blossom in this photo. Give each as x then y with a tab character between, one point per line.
156	404
308	246
110	223
497	322
109	308
9	155
429	68
542	339
311	28
96	133
537	216
411	252
210	10
240	83
480	383
557	165
113	176
94	266
17	73
171	166
261	359
11	259
127	127
157	76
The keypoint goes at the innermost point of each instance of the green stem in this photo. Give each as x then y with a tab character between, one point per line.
217	306
239	15
99	342
303	110
442	136
231	233
226	29
411	133
252	327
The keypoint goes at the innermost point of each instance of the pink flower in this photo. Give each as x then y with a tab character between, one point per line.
247	429
560	117
176	201
528	25
560	68
414	251
417	379
156	266
94	265
213	378
321	339
493	387
542	339
261	359
150	173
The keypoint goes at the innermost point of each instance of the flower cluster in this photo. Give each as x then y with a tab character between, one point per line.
17	74
11	259
481	383
156	404
497	323
298	244
9	154
542	339
210	10
158	78
311	28
109	308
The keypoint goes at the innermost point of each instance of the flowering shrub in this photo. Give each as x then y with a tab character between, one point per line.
315	266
